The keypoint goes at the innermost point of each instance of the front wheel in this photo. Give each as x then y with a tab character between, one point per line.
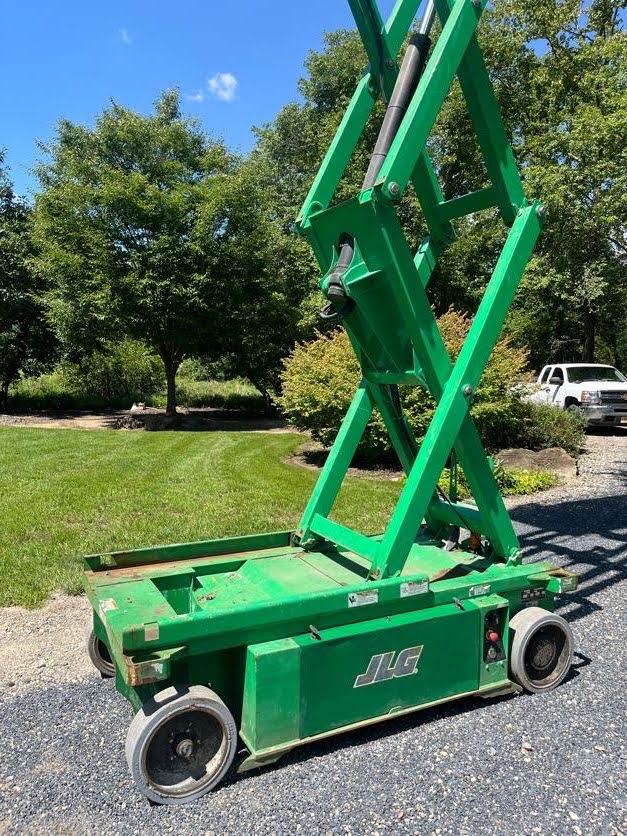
181	744
575	409
541	649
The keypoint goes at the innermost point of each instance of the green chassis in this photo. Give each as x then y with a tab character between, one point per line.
282	634
304	634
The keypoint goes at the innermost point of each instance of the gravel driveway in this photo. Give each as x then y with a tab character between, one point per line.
554	764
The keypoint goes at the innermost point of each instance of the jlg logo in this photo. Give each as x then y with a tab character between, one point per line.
381	668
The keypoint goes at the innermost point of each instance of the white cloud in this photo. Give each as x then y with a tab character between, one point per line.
125	37
197	97
223	86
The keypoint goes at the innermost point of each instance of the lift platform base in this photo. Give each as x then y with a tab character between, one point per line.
293	665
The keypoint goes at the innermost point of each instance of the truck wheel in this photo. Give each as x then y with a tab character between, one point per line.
541	649
100	656
180	744
574	408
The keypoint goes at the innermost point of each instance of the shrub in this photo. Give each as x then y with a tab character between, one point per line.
507	363
552	427
47	391
228	394
196	368
193	369
125	371
517	423
58	391
320	378
511	482
519	482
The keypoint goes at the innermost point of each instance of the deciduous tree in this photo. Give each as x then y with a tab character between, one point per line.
133	221
26	342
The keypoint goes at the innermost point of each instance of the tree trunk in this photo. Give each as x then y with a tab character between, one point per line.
267	397
589	335
171	363
170	377
4	394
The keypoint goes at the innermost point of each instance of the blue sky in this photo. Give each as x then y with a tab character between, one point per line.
238	62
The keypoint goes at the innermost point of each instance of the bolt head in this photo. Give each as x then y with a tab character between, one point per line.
390	64
541	211
394	189
467	390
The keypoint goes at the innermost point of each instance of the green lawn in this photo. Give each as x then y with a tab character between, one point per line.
66	493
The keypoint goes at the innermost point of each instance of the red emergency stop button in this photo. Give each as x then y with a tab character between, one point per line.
493	637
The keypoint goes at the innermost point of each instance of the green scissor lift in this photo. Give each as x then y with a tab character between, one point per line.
292	636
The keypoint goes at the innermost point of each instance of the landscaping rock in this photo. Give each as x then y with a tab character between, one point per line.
554	460
129	422
151	421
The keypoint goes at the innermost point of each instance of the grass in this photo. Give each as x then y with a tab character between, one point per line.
64	494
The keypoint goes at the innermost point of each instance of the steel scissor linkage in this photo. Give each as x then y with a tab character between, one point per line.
378	287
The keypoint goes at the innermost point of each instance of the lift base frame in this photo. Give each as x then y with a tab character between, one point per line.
294	665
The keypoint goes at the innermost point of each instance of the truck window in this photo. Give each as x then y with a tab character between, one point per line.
583	374
545	374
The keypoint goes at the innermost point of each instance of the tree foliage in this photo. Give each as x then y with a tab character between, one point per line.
148	229
559	74
123	371
578	163
26	342
288	154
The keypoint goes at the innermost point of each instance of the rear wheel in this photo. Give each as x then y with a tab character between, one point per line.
181	744
99	655
541	649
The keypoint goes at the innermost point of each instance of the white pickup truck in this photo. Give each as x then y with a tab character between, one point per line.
599	391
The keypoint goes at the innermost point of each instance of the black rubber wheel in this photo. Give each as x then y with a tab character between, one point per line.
99	655
181	744
541	649
575	409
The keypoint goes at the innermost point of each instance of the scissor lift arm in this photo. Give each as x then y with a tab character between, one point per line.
391	324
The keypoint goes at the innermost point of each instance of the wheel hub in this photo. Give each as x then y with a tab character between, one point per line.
185	748
543	654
